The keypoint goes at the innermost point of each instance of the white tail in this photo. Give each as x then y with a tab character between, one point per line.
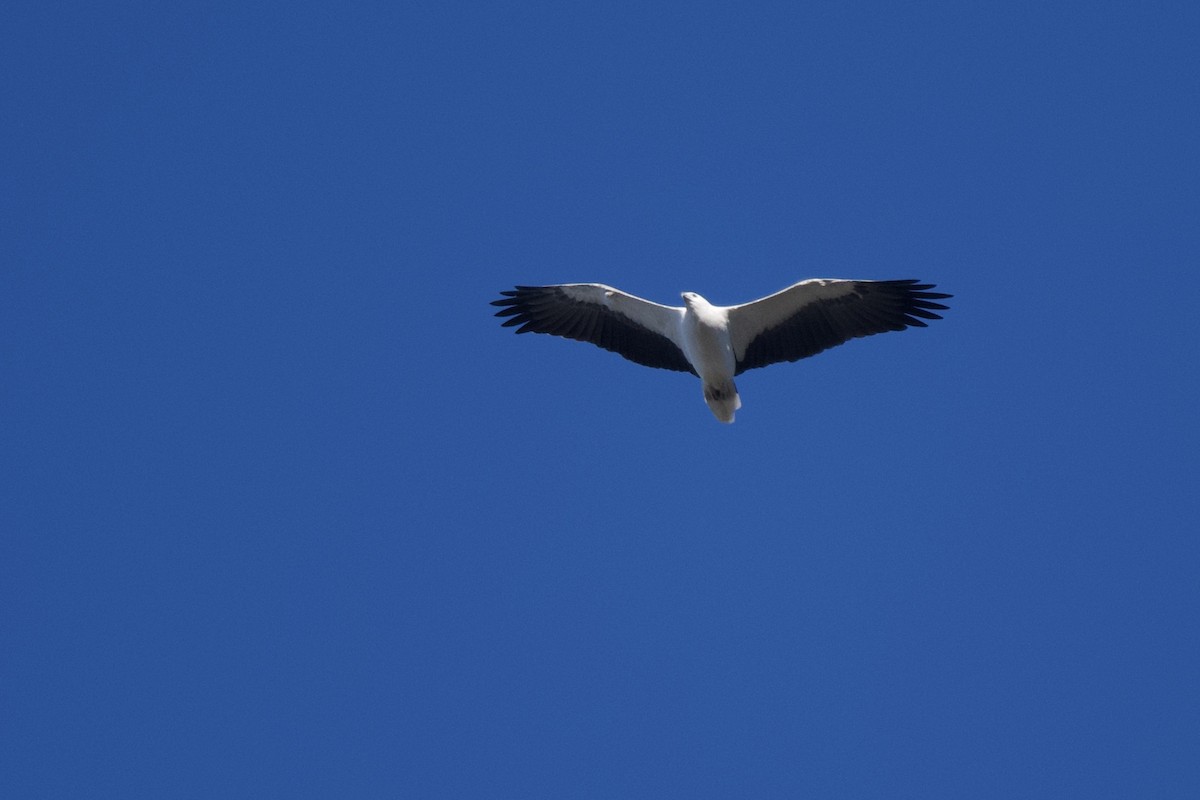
722	400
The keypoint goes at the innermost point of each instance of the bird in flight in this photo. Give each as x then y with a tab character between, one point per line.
718	343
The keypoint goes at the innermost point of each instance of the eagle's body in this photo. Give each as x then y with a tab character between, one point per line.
717	343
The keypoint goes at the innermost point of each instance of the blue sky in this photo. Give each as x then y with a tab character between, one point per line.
287	513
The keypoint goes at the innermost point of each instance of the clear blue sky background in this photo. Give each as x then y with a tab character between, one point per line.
287	514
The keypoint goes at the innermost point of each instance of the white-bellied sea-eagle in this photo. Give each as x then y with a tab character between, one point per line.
717	343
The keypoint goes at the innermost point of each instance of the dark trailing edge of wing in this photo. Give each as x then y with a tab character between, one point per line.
548	309
873	307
